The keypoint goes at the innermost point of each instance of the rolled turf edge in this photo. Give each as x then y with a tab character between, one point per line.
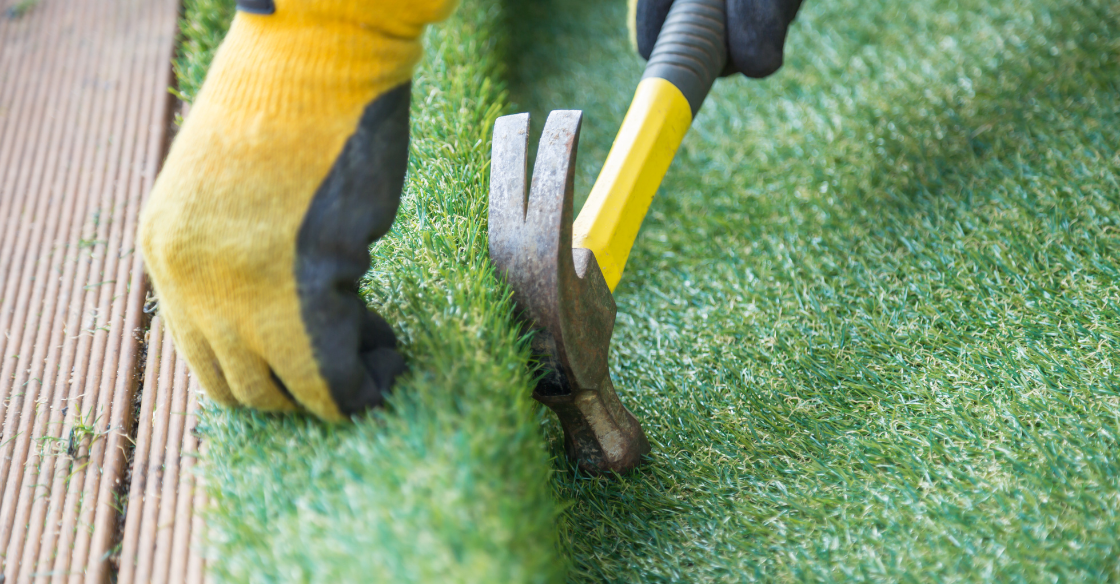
450	483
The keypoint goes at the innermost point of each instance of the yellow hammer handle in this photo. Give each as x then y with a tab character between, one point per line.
652	131
690	52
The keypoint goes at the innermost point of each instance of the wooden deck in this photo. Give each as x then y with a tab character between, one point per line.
97	413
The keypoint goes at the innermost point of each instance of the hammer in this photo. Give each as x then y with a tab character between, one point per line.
563	275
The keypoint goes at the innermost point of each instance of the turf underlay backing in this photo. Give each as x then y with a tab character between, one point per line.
870	324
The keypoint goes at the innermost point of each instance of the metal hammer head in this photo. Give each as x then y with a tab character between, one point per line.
560	289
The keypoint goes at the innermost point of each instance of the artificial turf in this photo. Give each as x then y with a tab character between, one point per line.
871	321
870	324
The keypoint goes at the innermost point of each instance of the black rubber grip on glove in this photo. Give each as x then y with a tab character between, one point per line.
353	207
691	49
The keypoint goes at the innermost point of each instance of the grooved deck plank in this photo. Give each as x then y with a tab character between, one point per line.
162	533
84	114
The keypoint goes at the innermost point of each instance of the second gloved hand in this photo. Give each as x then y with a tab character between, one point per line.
756	31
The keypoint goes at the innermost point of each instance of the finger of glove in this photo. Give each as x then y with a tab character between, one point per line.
204	364
251	381
378	351
358	367
354	206
756	34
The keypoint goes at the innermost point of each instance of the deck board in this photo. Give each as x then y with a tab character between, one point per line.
84	119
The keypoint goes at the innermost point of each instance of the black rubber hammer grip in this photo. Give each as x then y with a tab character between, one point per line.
691	49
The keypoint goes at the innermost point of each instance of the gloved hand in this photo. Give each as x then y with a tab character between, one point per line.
290	163
756	32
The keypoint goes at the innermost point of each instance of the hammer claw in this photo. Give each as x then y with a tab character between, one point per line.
550	198
509	169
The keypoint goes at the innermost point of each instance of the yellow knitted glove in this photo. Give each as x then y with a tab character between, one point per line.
289	165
